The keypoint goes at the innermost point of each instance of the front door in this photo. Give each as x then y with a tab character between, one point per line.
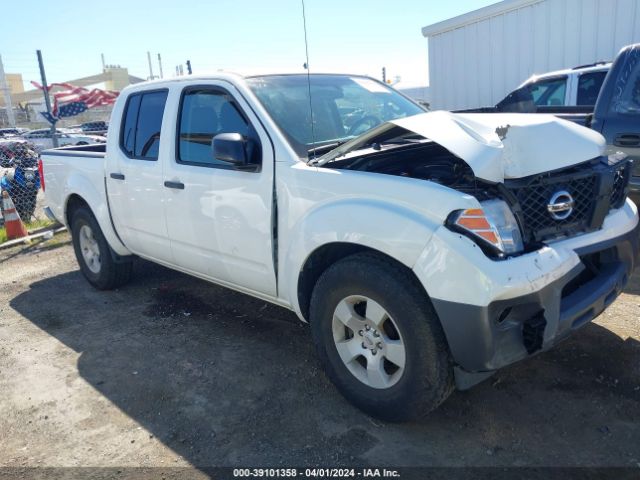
219	217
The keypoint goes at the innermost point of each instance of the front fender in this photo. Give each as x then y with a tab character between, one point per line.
80	185
391	229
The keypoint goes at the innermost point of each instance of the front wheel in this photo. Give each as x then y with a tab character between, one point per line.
94	255
379	338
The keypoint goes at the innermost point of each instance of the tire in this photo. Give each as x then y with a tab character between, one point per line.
106	273
394	393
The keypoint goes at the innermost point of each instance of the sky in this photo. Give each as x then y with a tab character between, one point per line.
246	36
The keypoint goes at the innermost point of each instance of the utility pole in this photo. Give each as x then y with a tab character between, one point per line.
45	89
180	70
189	67
384	74
151	77
160	65
104	67
7	96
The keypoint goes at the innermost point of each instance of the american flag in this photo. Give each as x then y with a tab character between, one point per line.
73	100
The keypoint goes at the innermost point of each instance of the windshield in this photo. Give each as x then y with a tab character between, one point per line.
344	107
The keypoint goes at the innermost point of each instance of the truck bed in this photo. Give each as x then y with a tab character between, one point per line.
82	166
95	150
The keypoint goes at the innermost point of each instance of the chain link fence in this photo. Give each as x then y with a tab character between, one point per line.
20	178
20	146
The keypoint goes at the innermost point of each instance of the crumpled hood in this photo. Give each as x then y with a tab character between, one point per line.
528	143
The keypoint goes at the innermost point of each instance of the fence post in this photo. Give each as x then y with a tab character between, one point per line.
45	89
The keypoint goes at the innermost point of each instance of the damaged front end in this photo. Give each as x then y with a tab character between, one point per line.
537	178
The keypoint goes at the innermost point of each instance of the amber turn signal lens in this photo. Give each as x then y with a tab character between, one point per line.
475	221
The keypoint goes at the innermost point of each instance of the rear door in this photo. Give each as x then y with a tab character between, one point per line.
134	177
219	218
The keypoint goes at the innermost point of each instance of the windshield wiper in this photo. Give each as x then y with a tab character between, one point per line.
321	150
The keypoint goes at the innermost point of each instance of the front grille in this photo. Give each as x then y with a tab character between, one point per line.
595	187
535	198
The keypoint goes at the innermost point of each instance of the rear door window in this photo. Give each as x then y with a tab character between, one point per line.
142	123
589	85
127	142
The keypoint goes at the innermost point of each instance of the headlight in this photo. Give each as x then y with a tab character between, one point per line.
493	226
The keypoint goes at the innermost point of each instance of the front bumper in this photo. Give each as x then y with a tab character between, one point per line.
485	337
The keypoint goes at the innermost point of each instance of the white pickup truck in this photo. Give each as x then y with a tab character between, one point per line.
426	250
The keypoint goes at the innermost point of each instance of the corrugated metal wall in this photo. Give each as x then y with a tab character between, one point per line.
478	63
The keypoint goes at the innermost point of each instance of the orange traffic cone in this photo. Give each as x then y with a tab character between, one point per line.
12	223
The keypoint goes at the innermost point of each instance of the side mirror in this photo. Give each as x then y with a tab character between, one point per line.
232	148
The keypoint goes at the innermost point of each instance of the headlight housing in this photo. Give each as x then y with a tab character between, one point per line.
493	227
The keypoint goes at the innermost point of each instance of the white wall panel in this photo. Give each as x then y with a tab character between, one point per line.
476	59
588	30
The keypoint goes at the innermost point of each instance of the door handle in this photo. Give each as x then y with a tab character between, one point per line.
627	140
176	185
117	176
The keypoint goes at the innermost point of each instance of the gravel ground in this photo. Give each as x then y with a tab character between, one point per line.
173	371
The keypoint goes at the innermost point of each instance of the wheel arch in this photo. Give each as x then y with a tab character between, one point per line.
327	255
74	202
100	210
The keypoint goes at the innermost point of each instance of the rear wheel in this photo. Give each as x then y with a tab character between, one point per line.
379	338
96	260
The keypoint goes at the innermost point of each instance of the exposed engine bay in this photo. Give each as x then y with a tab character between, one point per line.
418	158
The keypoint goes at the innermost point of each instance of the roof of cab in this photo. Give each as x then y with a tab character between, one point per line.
221	75
596	67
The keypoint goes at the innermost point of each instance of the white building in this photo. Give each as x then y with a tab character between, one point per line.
477	58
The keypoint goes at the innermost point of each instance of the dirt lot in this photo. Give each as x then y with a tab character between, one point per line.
173	371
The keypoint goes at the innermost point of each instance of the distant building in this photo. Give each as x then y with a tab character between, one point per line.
28	104
111	78
477	58
14	81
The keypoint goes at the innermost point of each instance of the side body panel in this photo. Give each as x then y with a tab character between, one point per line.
83	176
320	206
